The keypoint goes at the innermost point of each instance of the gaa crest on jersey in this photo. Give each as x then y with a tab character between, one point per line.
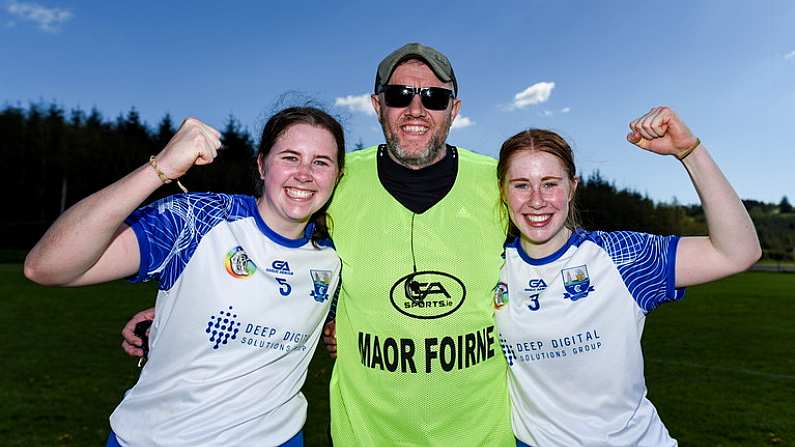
222	327
321	280
238	264
500	295
577	282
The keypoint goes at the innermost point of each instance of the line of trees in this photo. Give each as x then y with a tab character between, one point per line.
53	158
775	225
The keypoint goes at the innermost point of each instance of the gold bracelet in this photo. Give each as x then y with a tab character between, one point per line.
163	177
689	150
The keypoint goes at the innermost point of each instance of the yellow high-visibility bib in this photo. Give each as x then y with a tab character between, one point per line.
419	360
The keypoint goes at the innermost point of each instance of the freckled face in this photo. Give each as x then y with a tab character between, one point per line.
537	190
415	135
299	174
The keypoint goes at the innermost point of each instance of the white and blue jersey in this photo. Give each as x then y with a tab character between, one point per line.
238	315
570	326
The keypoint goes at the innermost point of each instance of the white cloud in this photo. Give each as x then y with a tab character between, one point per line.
790	55
461	122
565	110
535	94
359	103
47	19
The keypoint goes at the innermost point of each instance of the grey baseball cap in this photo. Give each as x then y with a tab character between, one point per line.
436	60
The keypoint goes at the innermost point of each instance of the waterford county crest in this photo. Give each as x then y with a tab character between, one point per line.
577	282
321	280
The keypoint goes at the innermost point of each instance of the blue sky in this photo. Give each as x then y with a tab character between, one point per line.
586	69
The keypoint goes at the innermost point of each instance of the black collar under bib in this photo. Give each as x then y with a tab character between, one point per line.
418	189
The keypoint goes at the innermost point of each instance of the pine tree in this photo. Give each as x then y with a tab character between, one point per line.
784	206
165	130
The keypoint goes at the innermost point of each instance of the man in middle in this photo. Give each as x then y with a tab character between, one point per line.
416	223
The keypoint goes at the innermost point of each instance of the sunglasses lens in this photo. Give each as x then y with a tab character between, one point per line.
433	98
436	98
398	95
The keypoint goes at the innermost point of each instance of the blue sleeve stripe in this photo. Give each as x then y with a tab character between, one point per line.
143	250
671	290
173	228
646	264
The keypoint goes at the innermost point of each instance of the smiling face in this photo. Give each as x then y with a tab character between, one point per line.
299	174
538	189
415	136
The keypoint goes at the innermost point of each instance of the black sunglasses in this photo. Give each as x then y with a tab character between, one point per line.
433	98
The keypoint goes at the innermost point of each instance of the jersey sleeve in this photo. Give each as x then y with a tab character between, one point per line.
169	230
647	264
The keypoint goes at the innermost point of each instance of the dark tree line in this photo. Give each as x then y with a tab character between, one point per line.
603	206
52	159
775	225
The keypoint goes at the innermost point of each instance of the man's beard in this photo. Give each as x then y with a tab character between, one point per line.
413	160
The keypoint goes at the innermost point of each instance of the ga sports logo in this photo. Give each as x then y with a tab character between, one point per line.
576	282
280	267
536	285
500	295
238	264
321	280
427	295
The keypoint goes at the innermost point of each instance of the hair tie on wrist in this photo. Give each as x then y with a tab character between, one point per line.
163	177
687	151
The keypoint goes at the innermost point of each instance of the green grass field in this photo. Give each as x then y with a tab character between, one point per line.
720	365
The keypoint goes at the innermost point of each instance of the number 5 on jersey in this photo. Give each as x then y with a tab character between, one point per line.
284	286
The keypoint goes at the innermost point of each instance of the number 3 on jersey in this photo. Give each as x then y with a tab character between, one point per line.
284	286
534	305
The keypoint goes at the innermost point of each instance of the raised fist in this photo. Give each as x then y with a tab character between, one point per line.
195	143
661	131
